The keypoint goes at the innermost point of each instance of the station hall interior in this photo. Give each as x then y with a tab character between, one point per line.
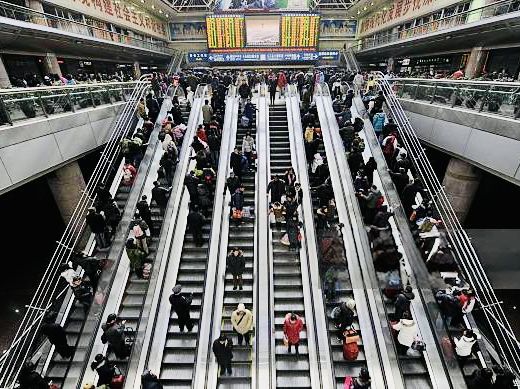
260	194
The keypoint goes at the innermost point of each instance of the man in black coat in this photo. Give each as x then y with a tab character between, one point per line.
160	195
400	179
192	183
98	226
57	336
277	189
181	305
408	195
232	183
195	224
144	211
402	303
223	350
235	162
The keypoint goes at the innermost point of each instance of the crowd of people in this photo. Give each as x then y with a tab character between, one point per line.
455	298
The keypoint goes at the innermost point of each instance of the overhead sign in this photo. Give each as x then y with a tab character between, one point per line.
264	56
400	11
117	12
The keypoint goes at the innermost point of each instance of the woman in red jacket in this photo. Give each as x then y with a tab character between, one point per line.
282	82
292	327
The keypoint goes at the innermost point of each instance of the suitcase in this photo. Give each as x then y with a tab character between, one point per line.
350	346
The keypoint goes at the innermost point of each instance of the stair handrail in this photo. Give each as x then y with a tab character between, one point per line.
45	296
467	258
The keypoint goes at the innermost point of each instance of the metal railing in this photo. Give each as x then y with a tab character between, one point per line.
443	23
493	97
176	62
27	103
504	339
350	59
29	15
47	294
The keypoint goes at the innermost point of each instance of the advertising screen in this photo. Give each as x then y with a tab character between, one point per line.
225	31
262	31
300	30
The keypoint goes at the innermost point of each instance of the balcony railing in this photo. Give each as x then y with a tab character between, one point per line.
27	103
31	16
490	97
462	18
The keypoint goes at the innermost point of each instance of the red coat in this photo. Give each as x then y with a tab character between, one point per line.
201	134
282	80
292	330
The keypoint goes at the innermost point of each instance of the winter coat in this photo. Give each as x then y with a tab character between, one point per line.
114	336
402	304
181	305
248	144
379	121
96	222
223	351
236	162
292	329
309	134
407	331
282	80
207	113
136	257
245	318
277	189
237	200
464	345
150	381
160	195
236	264
195	221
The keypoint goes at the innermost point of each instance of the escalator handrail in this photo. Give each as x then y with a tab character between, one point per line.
45	294
466	255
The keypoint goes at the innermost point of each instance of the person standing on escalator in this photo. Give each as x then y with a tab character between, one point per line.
242	322
181	306
277	188
223	350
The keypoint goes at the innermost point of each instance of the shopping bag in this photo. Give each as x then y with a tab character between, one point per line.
285	240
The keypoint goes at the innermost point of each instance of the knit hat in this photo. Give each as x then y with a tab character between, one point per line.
177	289
241	307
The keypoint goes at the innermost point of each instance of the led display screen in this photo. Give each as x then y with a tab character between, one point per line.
225	31
300	30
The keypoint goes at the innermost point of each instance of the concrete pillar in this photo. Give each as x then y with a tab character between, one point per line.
51	65
4	77
137	70
461	183
390	65
67	184
37	6
476	62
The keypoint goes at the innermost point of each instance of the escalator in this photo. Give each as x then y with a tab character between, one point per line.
414	369
292	371
243	237
343	292
136	288
177	365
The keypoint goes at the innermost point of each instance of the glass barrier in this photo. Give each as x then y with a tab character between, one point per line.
27	103
458	19
24	14
498	98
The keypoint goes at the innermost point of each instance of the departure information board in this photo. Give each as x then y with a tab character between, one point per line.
225	31
300	30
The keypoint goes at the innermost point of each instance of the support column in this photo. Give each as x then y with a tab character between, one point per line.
36	5
461	182
476	62
137	70
390	65
67	184
4	77
51	65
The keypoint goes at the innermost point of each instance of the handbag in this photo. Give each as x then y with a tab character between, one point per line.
285	240
118	380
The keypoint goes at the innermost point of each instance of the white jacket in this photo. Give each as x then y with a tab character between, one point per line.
464	345
358	79
246	324
407	331
248	144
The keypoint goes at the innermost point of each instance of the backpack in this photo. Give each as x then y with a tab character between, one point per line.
379	202
138	231
147	269
393	284
389	147
350	346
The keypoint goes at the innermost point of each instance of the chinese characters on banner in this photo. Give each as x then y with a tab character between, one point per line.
117	12
400	11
